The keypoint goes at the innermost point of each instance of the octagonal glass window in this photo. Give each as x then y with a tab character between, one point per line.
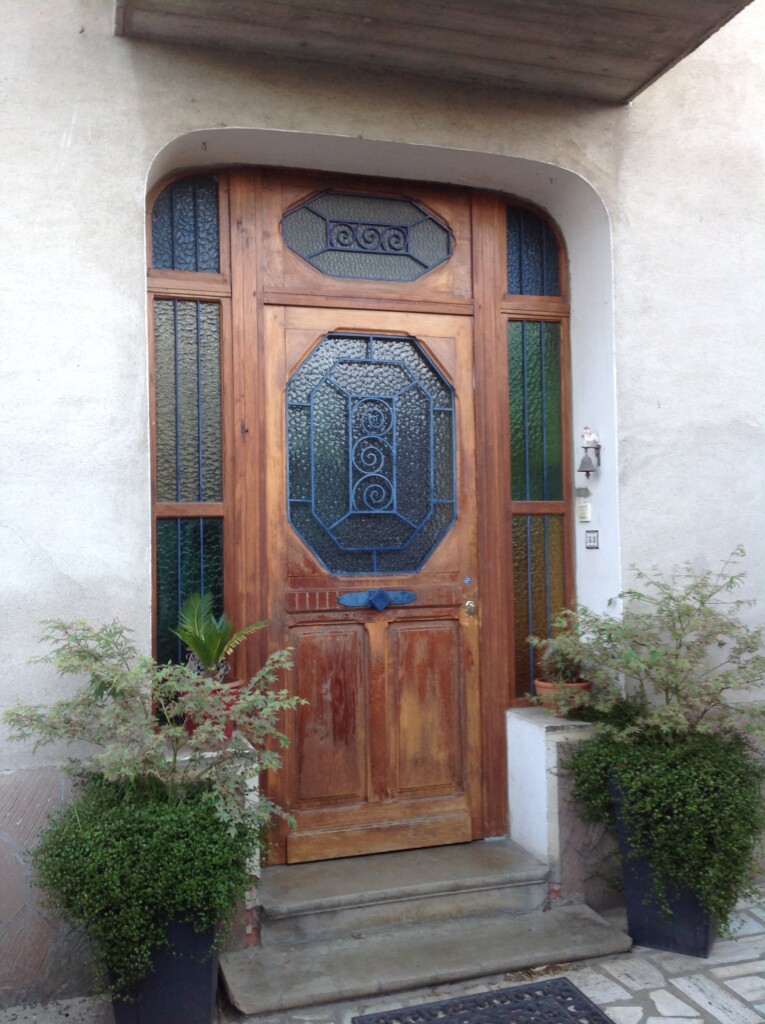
374	238
371	466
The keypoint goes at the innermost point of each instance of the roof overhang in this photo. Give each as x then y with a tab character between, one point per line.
601	50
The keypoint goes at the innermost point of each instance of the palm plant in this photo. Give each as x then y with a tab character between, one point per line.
210	639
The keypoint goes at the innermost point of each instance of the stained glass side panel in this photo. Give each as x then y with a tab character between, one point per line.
189	559
188	400
534	371
532	254
537	586
184	226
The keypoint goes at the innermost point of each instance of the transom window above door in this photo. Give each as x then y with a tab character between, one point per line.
375	238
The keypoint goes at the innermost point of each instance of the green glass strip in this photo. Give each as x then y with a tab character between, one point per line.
189	559
534	373
187	383
538	589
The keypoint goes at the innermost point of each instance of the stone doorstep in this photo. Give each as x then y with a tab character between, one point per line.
335	899
416	955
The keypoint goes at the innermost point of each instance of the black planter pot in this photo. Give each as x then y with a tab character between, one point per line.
686	930
182	987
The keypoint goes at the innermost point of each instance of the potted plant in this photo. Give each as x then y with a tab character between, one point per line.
563	662
210	640
155	850
674	762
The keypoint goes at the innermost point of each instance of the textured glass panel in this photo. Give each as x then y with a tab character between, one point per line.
533	352
412	463
371	461
325	548
368	266
427	376
443	457
298	445
377	238
424	542
324	356
532	254
184	226
188	401
189	560
537	586
328	453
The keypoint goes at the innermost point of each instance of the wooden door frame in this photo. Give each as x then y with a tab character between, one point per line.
242	295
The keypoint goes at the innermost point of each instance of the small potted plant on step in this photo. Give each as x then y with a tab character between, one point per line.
563	664
155	850
674	763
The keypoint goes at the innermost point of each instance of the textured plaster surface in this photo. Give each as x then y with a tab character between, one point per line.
40	956
84	116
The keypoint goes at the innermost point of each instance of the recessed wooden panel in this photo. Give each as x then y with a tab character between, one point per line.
330	737
427	707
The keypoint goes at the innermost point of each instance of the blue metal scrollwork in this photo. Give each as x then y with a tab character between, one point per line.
370	437
373	238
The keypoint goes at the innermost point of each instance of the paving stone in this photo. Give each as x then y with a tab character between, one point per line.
669	1005
625	1014
737	970
635	973
599	988
750	987
724	1007
746	924
675	1020
749	947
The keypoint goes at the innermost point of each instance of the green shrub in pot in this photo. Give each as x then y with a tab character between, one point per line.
678	731
164	824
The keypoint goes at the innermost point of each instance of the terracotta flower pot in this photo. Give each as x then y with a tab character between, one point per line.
546	691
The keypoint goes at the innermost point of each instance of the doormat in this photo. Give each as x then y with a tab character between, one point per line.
555	1001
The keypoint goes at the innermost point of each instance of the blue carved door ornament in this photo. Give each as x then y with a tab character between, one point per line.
371	453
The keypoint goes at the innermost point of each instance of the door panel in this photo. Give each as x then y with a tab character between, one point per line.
386	754
328	756
425	686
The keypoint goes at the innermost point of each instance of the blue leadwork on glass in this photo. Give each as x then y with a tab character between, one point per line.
377	238
370	437
185	232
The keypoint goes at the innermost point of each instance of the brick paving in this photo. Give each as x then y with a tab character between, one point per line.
641	987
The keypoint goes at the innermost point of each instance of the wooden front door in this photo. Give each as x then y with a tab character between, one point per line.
371	491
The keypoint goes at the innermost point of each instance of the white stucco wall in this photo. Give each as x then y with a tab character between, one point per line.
667	193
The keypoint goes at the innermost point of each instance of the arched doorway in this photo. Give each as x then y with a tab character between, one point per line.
283	313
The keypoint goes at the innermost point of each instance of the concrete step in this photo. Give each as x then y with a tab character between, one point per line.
342	898
420	954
